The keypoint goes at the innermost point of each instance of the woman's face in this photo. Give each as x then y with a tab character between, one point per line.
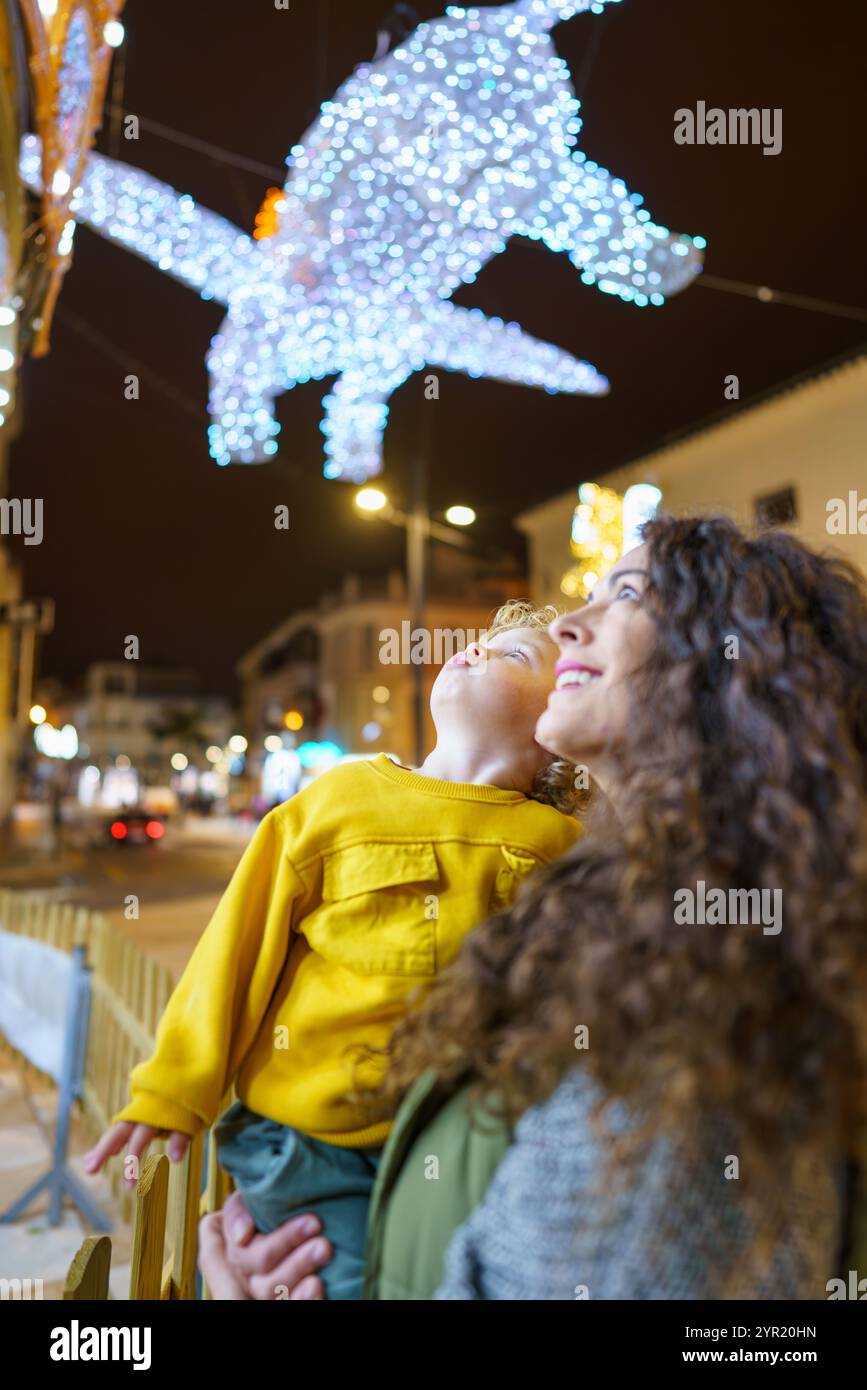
601	646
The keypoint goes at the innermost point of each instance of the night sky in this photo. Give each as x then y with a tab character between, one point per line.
145	534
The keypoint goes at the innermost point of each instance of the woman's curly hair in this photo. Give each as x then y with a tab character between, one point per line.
744	764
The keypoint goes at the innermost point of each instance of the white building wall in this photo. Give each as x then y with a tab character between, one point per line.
812	437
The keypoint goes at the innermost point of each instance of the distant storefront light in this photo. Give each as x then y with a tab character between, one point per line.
56	743
120	787
88	786
281	774
319	754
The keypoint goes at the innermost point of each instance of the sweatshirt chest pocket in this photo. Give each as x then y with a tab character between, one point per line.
514	869
379	909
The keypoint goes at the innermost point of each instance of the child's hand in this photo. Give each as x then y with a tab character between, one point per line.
135	1140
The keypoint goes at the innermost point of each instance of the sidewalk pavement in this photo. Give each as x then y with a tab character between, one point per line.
168	931
30	1248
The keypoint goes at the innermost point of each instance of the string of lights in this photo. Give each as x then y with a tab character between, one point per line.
215	153
766	295
131	364
151	378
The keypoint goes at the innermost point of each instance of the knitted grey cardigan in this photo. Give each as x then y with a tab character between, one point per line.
534	1236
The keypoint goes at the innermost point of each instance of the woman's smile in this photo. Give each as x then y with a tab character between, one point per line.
572	675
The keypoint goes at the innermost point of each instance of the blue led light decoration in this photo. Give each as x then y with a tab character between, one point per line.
414	175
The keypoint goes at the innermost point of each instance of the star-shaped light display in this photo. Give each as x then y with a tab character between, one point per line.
413	176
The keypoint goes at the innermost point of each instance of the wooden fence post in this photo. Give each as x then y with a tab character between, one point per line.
88	1274
146	1276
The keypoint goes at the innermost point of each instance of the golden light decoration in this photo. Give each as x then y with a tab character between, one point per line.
11	192
69	58
268	216
605	524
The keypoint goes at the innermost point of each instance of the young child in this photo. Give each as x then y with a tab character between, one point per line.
348	900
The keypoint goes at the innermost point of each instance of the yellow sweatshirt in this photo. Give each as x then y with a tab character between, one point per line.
351	895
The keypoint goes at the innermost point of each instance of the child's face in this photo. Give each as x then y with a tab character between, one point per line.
495	692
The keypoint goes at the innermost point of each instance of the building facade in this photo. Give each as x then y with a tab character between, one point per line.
147	715
348	667
784	460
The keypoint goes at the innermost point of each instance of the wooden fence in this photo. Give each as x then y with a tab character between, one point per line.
129	991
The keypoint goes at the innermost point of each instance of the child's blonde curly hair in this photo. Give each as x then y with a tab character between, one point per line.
554	784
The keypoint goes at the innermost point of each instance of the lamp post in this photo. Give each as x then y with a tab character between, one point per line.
419	527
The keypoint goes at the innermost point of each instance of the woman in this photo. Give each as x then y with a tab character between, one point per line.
647	1079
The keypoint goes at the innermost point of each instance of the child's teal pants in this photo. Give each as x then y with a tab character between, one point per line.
280	1172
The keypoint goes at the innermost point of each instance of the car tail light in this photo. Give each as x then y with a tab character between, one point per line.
119	830
155	829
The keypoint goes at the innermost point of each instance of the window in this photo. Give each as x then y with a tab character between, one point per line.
777	508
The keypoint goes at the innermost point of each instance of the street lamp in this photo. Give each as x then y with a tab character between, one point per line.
460	516
419	527
371	500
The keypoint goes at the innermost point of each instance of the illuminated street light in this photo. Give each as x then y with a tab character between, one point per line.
460	516
38	715
180	762
238	743
114	33
214	754
420	529
273	743
371	499
294	720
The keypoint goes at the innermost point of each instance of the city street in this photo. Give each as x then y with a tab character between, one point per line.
177	882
